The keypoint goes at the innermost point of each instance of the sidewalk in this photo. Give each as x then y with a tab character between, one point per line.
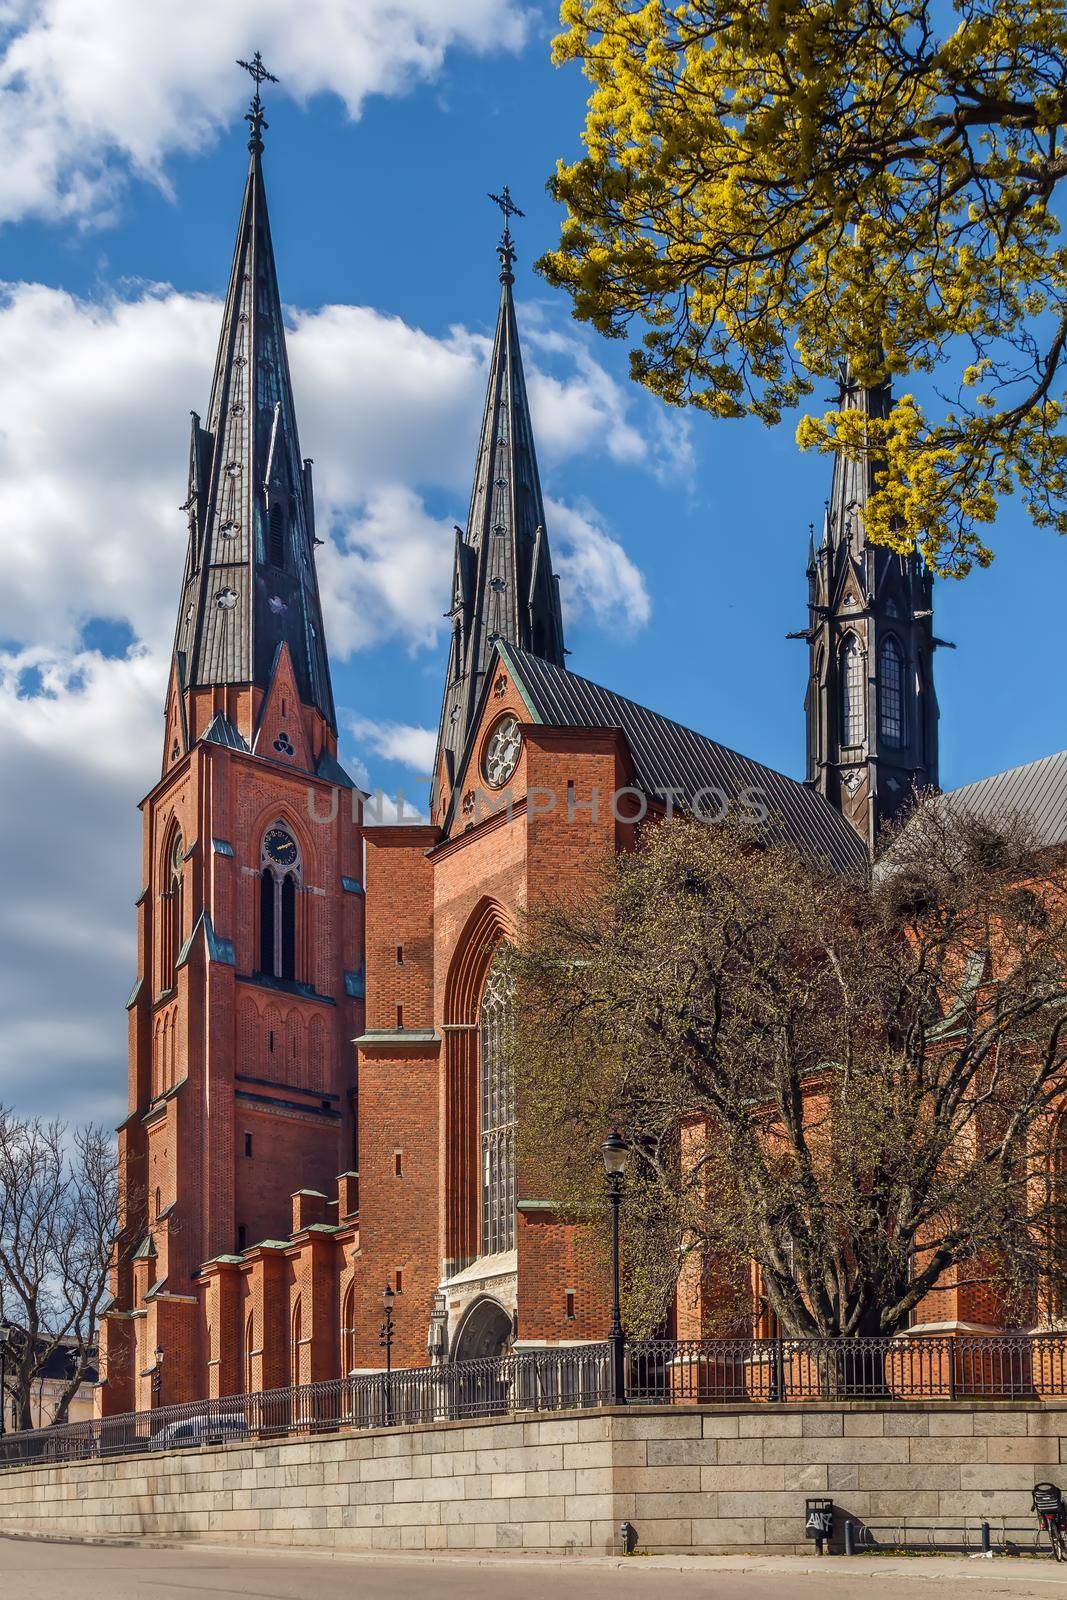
1010	1575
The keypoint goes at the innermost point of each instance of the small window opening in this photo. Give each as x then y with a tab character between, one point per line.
570	1303
276	537
242	1235
400	1280
270	1040
398	1163
400	1016
248	1144
400	955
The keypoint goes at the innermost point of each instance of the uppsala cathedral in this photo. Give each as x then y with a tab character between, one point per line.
319	1100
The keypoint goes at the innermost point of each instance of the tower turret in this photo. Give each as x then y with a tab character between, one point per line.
871	708
250	584
503	586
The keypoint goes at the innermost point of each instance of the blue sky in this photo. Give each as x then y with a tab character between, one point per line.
681	541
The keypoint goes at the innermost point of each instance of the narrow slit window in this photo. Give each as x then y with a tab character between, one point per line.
852	692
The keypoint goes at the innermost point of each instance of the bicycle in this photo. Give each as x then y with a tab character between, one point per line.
1047	1500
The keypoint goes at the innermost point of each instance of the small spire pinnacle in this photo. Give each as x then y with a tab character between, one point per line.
506	249
254	116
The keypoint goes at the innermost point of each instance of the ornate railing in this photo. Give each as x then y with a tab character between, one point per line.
658	1372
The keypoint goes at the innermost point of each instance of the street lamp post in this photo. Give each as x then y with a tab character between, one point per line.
615	1154
157	1378
385	1339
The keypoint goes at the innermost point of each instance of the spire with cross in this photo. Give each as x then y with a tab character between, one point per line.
505	249
254	116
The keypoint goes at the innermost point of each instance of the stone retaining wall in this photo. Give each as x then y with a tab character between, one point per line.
698	1479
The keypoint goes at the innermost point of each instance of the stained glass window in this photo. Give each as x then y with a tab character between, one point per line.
891	692
498	1110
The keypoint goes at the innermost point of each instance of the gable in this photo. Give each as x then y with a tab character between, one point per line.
280	734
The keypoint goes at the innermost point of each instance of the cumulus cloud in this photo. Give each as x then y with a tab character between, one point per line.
596	576
81	741
92	91
93	457
412	746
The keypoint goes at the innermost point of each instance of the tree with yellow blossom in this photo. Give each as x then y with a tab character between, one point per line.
772	189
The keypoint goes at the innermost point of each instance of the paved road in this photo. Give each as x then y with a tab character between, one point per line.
37	1571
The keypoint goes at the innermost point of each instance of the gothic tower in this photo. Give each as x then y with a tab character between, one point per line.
250	951
503	586
871	707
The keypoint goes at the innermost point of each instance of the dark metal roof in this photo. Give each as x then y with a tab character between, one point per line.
222	731
671	759
250	581
1036	793
503	587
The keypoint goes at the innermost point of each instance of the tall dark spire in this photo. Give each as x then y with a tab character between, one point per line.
871	707
250	583
503	587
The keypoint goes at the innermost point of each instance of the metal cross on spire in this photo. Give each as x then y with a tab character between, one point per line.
254	115
505	249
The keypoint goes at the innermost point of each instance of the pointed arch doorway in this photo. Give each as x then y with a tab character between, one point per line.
485	1331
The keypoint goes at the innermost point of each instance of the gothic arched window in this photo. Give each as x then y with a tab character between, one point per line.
278	880
891	693
497	1097
852	692
172	909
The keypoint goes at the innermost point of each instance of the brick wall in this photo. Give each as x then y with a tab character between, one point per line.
688	1479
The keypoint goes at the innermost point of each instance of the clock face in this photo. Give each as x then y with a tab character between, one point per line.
502	752
280	846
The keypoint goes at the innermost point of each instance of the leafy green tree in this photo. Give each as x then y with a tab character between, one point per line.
779	187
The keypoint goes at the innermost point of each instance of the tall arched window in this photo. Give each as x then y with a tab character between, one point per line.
172	907
497	1109
852	692
891	712
278	881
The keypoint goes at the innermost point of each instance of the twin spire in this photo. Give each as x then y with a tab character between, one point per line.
250	584
503	586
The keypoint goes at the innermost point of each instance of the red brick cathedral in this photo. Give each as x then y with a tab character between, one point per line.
318	1092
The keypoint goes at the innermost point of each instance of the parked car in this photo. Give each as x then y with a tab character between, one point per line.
200	1431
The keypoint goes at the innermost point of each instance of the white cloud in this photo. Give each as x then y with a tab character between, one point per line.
388	576
412	746
93	459
595	573
78	754
94	90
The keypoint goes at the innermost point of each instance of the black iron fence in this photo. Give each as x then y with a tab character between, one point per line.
658	1372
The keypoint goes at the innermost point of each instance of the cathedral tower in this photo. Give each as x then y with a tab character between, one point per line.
871	707
503	586
250	951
